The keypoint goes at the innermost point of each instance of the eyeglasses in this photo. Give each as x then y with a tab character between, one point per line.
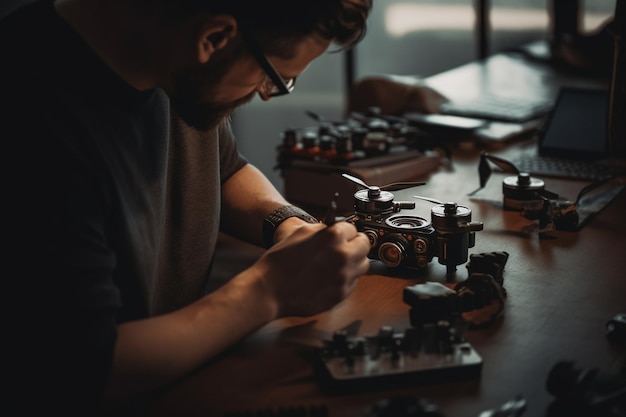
274	85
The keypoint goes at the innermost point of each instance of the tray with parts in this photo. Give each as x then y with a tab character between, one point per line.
427	354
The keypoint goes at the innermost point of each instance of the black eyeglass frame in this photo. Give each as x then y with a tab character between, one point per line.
280	86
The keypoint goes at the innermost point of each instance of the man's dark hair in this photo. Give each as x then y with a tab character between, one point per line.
279	24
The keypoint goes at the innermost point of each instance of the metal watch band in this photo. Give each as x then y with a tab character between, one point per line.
275	218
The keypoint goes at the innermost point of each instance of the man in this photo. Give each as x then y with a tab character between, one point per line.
114	209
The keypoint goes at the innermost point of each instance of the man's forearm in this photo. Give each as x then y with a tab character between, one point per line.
161	349
247	198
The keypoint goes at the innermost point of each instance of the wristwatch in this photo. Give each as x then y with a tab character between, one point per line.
275	218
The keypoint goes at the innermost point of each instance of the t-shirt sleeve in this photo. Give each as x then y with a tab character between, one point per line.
231	160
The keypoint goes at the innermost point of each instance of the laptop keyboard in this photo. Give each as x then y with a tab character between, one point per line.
562	168
499	109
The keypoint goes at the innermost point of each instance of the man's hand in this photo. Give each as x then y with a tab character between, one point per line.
394	95
312	267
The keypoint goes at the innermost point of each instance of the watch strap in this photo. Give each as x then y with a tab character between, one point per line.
275	218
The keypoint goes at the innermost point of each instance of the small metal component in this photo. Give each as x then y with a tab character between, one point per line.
389	358
432	302
522	191
409	241
456	233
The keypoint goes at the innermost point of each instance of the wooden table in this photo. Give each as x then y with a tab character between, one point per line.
562	289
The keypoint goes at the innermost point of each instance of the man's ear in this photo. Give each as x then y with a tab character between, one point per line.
214	34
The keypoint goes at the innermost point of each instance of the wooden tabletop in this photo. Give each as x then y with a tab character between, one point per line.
562	288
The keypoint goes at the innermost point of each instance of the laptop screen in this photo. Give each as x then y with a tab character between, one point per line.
576	128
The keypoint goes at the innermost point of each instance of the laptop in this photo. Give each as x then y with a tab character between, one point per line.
506	87
572	142
496	108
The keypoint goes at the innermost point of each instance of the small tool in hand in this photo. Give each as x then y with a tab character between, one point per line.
330	218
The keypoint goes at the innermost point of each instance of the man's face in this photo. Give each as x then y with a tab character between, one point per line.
204	96
196	97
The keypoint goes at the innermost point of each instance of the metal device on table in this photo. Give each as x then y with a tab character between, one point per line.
406	240
527	194
417	355
581	391
433	349
360	136
476	302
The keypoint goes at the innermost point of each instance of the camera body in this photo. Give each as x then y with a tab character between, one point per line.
401	240
397	240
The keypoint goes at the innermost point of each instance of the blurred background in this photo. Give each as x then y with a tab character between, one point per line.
405	37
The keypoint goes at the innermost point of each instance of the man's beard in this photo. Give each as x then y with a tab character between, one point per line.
205	117
191	89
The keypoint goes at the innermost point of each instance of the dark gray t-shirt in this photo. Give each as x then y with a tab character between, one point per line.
112	209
